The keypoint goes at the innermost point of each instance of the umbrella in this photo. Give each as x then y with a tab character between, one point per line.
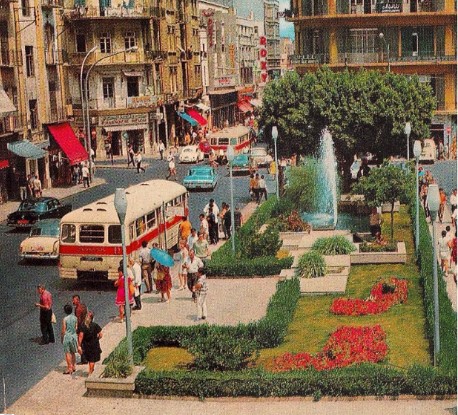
162	257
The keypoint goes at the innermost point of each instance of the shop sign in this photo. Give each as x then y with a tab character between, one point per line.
144	101
389	7
225	81
208	14
263	57
122	120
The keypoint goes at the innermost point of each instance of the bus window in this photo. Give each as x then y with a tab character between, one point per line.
234	141
178	201
214	141
94	234
224	141
68	233
140	226
132	232
150	220
114	234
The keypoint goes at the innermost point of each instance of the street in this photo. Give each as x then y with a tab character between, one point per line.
23	362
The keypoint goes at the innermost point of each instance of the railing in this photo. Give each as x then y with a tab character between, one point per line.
9	124
52	3
319	58
156	54
82	12
10	57
127	57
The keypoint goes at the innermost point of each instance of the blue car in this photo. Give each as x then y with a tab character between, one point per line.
201	177
243	164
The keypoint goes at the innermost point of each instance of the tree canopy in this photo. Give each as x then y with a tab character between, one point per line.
365	111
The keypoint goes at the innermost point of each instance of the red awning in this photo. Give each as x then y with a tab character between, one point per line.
70	145
194	114
244	106
4	164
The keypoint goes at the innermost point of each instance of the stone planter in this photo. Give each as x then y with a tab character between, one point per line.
96	385
329	284
386	207
398	257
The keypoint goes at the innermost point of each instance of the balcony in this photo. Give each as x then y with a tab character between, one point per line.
91	12
121	58
156	54
314	59
52	3
9	124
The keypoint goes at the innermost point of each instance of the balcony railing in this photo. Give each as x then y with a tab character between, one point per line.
121	58
9	124
315	59
156	54
52	3
84	12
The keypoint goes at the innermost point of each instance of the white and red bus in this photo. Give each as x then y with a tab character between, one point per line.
90	237
239	137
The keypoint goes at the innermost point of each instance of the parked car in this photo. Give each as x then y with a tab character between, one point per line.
260	156
191	154
204	147
242	163
201	177
43	241
31	211
428	152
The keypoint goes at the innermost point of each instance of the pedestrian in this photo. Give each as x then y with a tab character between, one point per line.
192	238
138	161
182	271
184	229
135	273
145	259
444	252
453	200
227	222
69	338
85	175
165	282
22	183
212	226
161	149
375	221
211	204
80	312
130	156
253	191
30	178
201	289
74	175
89	341
172	166
443	202
193	264
120	295
200	247
37	186
238	219
92	152
45	306
221	220
204	227
262	188
80	173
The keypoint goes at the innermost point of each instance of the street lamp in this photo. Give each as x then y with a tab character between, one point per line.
120	202
387	45
407	131
86	98
416	153
433	200
230	158
275	136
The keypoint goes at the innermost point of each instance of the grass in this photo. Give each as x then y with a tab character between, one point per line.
168	358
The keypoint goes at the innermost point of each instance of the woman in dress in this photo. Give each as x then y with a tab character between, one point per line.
183	272
166	282
69	338
88	341
120	297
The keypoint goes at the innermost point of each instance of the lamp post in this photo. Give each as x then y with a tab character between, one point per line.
275	136
230	158
387	45
86	98
82	95
407	131
433	200
120	202
416	153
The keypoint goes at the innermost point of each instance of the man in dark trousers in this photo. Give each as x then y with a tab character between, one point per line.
80	314
45	306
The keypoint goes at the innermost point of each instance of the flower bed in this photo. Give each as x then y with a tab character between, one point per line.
345	346
383	296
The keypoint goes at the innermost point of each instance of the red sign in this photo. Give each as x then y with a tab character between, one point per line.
449	130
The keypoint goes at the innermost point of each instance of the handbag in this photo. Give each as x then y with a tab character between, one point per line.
53	319
131	289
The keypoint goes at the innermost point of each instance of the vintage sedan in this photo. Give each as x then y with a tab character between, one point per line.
43	241
31	211
260	156
191	154
201	177
243	164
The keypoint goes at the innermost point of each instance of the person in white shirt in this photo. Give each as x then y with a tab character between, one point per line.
201	289
138	160
262	188
172	167
193	263
215	209
192	238
85	175
135	272
161	149
203	226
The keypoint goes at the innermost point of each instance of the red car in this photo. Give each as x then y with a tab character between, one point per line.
205	147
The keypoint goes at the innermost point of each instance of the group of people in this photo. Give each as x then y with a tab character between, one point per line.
79	333
258	187
135	158
80	174
30	186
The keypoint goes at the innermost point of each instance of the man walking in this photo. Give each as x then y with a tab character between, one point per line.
193	263
161	149
262	188
145	258
201	288
45	306
138	159
80	313
172	167
85	175
135	273
130	156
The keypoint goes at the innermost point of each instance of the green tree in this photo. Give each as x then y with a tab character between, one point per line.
364	110
386	184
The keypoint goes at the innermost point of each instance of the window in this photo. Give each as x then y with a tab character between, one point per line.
80	43
68	234
33	114
114	234
105	43
130	40
150	220
132	86
93	234
363	40
157	79
140	226
173	79
25	8
132	231
108	88
30	67
415	44
197	71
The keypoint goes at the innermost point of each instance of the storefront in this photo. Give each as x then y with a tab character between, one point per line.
223	105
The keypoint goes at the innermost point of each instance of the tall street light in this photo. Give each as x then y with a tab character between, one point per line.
416	153
387	45
120	202
407	131
275	136
82	95
433	200
230	158
86	98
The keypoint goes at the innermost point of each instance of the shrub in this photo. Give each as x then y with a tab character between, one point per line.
221	351
372	247
256	267
311	265
334	245
261	244
118	365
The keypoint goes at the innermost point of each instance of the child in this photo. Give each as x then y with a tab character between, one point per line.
201	289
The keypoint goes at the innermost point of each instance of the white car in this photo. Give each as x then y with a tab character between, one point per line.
43	241
191	154
260	156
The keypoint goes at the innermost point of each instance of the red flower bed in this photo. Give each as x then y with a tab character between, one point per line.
383	296
347	345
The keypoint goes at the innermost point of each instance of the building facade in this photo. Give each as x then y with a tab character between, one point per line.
407	37
287	50
272	33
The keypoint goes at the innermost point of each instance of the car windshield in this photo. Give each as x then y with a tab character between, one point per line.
188	150
30	205
45	231
258	152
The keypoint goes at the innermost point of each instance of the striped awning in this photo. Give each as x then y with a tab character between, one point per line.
194	114
26	149
187	118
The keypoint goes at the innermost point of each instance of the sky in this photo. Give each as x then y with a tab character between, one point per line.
286	28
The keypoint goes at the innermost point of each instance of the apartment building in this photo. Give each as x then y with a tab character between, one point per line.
287	50
272	33
404	36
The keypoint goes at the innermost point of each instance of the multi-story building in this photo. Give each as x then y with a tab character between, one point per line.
272	33
287	50
407	37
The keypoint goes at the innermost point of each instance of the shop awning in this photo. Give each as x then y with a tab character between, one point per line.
6	106
67	141
4	164
202	107
26	149
187	118
194	114
244	106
